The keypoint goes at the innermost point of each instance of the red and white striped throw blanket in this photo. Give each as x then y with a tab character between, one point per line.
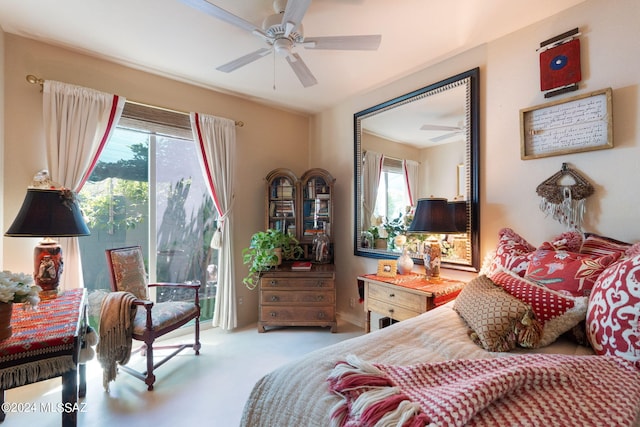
523	390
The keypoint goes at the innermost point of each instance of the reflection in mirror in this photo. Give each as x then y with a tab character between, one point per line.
423	144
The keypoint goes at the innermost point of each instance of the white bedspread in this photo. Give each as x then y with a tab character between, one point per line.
297	394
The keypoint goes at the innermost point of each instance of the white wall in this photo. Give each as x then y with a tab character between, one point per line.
509	81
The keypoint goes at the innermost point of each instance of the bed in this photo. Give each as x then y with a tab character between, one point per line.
417	372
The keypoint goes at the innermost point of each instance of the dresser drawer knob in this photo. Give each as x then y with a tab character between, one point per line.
273	282
273	314
392	295
391	310
275	298
320	298
319	284
321	315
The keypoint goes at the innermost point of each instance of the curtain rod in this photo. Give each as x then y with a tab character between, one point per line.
36	80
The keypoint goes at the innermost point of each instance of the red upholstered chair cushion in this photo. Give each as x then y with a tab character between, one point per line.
557	313
511	253
613	317
566	272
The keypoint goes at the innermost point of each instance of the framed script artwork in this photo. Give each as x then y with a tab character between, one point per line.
573	125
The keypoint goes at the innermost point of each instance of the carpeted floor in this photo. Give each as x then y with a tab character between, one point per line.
207	390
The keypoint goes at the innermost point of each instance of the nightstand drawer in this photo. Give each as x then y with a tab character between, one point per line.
392	310
304	297
303	282
398	297
276	314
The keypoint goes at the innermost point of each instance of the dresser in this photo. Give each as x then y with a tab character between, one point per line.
405	295
298	298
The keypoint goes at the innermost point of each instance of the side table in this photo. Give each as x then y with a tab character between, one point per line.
45	344
405	295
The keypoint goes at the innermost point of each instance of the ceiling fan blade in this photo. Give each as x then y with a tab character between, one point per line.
370	42
302	71
293	14
218	12
244	60
443	137
440	127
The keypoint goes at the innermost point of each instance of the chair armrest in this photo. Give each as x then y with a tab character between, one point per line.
175	285
143	302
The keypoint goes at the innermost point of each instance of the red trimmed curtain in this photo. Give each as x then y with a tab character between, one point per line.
371	171
410	169
216	140
78	122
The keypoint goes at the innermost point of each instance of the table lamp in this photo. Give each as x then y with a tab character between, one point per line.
432	216
48	213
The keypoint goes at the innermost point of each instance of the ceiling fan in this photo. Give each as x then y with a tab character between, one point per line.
282	32
453	130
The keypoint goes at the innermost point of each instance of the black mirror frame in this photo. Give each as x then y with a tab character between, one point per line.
473	152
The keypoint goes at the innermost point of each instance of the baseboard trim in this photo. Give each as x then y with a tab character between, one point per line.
349	317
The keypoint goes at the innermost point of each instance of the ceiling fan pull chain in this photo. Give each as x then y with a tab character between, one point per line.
274	71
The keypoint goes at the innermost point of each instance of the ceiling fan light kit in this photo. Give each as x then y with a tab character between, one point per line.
283	32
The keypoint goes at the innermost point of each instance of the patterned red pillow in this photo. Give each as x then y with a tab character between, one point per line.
567	272
511	252
557	313
567	241
601	245
613	317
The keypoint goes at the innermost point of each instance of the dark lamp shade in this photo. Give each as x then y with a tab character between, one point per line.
48	213
432	216
459	215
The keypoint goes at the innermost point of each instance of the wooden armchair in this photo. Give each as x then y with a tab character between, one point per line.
152	320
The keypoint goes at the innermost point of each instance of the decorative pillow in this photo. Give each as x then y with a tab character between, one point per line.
567	272
600	245
567	241
613	317
633	250
511	252
498	321
557	313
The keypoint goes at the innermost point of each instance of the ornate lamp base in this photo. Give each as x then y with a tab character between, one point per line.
47	258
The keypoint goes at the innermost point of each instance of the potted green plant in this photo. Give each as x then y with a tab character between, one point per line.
267	250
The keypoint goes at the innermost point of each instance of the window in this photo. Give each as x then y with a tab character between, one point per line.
147	189
392	197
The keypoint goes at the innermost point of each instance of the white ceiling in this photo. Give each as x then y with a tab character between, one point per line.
168	38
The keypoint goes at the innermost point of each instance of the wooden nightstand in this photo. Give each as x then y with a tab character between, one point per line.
406	295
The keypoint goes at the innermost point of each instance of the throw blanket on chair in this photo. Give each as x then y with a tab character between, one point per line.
116	328
532	389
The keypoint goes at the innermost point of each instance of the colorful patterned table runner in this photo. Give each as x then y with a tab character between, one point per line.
43	340
437	287
443	290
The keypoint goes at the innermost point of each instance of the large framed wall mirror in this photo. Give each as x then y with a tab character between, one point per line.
423	144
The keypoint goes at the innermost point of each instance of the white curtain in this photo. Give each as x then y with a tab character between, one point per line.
216	140
78	122
371	171
410	169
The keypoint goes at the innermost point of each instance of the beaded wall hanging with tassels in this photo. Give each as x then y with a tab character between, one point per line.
565	202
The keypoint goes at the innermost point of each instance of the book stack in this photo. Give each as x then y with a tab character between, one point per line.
301	266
